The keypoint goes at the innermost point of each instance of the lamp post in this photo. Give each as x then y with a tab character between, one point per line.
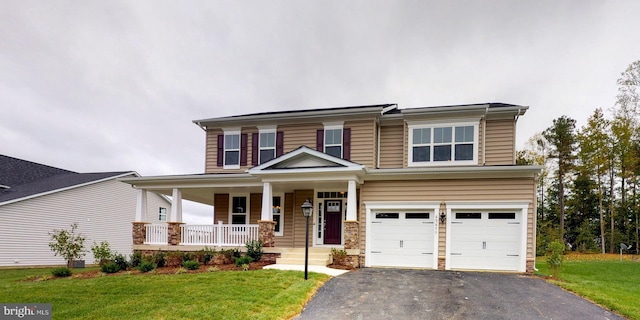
307	208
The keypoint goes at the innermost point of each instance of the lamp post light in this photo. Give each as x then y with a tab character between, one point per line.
307	209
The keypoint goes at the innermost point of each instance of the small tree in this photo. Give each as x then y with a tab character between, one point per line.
102	252
554	259
67	244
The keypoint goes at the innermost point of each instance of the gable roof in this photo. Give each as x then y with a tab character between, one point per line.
22	179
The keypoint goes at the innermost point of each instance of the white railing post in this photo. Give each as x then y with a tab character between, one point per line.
219	235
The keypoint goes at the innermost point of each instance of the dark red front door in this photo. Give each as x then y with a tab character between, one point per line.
333	221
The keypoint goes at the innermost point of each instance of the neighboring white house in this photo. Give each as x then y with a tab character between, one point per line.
35	199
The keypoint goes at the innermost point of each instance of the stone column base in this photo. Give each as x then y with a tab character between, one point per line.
531	264
266	232
351	234
442	263
174	233
139	233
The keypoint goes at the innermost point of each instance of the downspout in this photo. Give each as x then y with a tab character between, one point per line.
484	136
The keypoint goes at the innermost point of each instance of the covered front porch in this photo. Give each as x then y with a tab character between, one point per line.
262	204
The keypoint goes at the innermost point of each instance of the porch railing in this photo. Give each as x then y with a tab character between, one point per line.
219	234
157	234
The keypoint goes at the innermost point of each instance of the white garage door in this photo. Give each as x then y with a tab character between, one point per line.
402	239
485	240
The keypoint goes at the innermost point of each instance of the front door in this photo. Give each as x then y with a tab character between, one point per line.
333	221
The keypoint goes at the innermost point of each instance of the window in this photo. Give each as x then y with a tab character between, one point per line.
417	215
231	150
333	142
278	217
388	215
267	146
443	144
468	215
162	214
239	212
502	215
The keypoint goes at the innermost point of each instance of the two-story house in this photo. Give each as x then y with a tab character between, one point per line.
430	187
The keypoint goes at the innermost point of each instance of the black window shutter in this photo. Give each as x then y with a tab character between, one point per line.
220	162
320	140
346	143
243	149
279	143
254	149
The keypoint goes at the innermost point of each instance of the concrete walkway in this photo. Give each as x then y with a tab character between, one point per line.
316	269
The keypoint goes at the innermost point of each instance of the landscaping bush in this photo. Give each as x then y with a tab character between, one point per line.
120	260
61	272
102	252
191	265
206	255
135	259
339	256
254	249
67	244
174	259
554	258
242	260
236	253
146	266
110	267
159	259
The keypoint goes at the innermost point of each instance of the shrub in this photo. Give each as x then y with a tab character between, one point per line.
227	256
191	265
181	270
254	249
146	266
554	259
242	260
174	259
339	256
61	272
245	267
102	252
110	267
120	260
67	244
159	259
236	253
135	259
206	255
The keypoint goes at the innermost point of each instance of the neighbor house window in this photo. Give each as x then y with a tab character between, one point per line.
267	146
278	215
443	144
239	210
333	142
162	214
232	150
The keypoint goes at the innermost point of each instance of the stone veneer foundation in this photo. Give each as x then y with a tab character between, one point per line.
266	233
174	233
139	233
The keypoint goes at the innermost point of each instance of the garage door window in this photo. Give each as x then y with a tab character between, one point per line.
384	215
417	215
468	215
502	215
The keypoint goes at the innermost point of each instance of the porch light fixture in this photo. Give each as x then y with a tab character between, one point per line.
443	216
307	208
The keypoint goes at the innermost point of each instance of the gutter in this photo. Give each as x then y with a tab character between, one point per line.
199	124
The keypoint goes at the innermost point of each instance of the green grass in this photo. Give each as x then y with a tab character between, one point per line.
612	284
260	294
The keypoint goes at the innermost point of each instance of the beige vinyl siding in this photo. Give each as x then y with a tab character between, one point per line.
451	190
255	208
286	240
500	141
211	154
104	211
296	135
391	146
154	203
362	141
299	221
221	203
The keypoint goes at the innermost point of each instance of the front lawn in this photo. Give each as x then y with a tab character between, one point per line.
602	279
259	294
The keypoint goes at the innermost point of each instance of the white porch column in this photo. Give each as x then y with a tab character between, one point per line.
141	206
351	201
176	206
267	202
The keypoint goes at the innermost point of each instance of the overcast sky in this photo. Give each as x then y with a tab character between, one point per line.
114	85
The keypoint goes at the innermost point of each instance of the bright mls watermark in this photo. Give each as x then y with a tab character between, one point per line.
36	311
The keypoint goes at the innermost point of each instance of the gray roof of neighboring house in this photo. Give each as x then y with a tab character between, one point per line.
21	179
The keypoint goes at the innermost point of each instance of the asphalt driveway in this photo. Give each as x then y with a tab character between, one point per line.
373	293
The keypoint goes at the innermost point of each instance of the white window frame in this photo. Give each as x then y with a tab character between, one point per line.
275	142
334	126
231	132
162	216
247	214
281	214
452	125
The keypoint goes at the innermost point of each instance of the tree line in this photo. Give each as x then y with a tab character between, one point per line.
588	190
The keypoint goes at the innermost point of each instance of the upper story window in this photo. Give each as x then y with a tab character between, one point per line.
334	140
267	146
443	144
231	150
